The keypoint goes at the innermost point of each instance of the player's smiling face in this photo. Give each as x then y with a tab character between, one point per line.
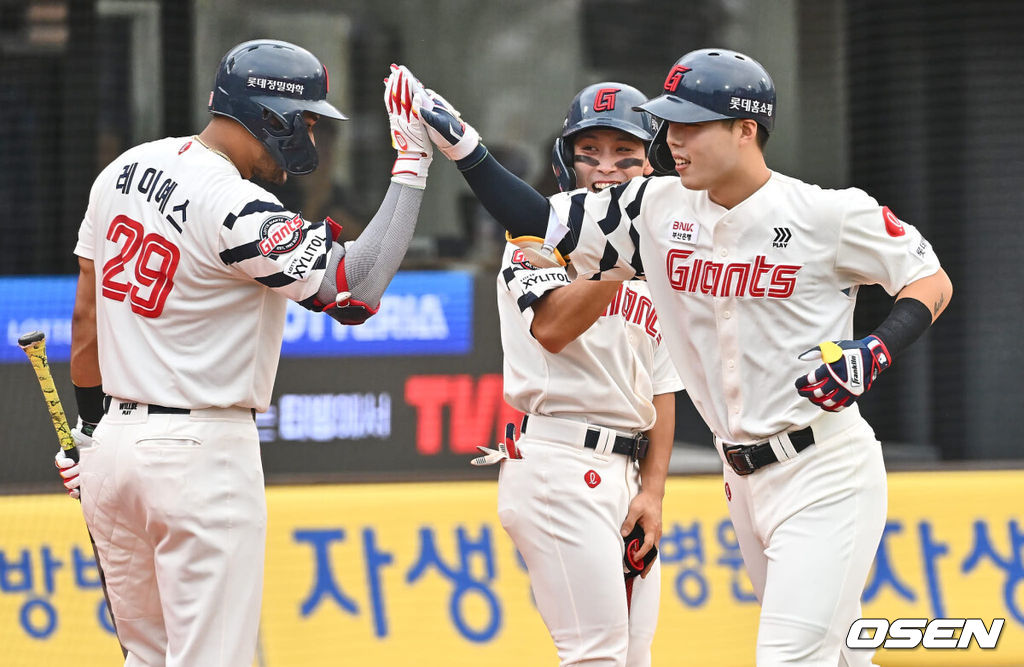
704	153
603	157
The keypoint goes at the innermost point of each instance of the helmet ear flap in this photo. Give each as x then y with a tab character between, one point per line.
659	154
561	164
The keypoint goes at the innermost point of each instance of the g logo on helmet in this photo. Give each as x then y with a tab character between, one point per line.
604	100
675	75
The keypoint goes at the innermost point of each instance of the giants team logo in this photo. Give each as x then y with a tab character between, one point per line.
635	308
759	279
591	478
280	234
674	77
893	225
519	257
605	99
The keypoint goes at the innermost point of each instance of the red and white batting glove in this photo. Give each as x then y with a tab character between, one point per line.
408	136
68	470
68	467
849	369
505	450
453	136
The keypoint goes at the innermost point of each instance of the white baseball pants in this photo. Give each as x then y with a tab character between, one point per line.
177	507
567	529
808	528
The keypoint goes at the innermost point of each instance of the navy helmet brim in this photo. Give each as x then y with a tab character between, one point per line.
610	123
284	105
677	110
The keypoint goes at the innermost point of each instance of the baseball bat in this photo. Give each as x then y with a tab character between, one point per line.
34	346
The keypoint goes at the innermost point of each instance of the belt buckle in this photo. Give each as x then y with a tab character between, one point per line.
639	448
738	457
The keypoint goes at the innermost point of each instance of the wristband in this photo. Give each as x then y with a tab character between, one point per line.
906	322
90	403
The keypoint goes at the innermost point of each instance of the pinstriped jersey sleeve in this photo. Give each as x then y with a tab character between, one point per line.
603	242
274	246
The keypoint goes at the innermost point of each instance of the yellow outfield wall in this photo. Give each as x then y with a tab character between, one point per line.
423	574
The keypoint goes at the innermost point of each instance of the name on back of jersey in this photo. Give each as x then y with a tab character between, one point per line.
156	189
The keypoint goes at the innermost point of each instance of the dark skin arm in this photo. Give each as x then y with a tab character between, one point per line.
85	361
561	315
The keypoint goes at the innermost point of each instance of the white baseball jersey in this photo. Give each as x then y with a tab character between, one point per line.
194	265
563	505
607	376
750	287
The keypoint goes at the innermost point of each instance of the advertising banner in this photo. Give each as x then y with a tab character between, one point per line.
401	574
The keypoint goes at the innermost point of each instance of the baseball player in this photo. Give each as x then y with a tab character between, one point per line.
583	361
756	275
185	271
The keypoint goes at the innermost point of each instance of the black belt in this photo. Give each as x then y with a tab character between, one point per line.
154	409
634	447
745	459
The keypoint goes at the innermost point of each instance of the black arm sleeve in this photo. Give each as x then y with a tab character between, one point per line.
515	205
90	403
908	319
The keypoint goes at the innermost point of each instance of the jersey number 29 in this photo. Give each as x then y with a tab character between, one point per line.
154	269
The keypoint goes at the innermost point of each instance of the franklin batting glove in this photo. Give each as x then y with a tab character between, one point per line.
445	127
849	369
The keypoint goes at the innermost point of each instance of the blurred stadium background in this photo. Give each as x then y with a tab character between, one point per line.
384	544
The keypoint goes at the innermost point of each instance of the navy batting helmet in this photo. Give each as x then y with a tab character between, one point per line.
266	85
605	105
710	84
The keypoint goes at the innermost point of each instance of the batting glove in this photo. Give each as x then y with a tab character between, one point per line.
849	369
505	450
445	127
407	133
68	467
